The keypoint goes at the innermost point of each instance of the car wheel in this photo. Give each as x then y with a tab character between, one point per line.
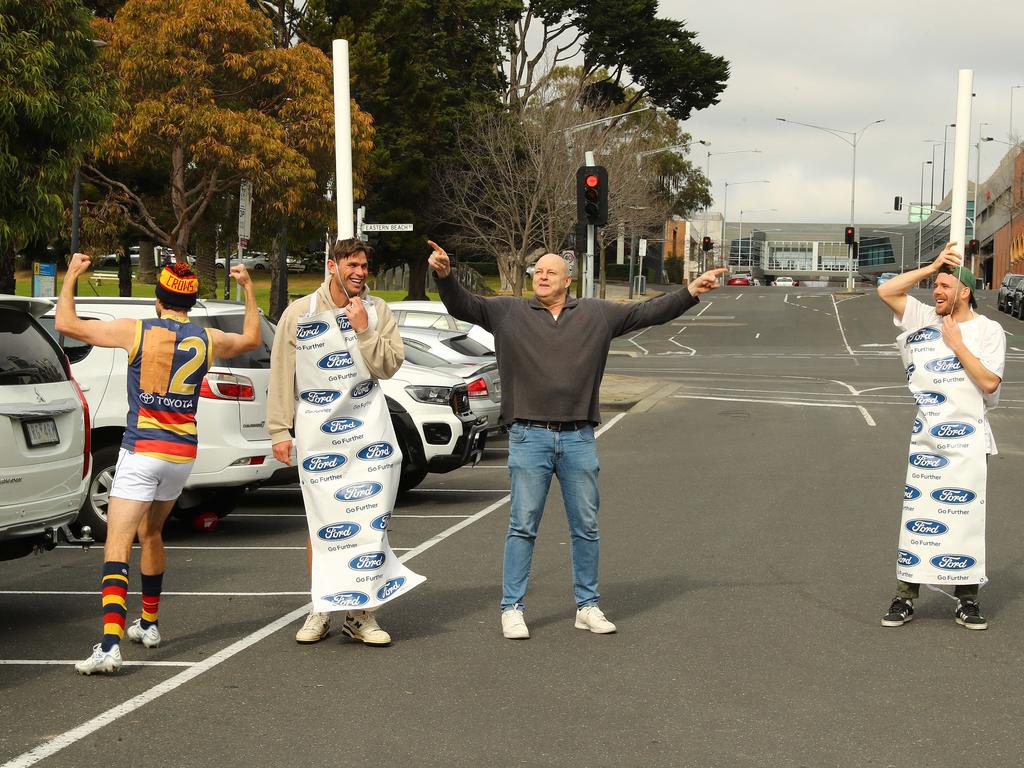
220	501
259	267
94	511
411	476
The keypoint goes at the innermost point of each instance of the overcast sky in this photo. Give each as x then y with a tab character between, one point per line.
842	65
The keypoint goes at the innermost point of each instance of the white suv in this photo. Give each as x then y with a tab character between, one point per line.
234	447
44	431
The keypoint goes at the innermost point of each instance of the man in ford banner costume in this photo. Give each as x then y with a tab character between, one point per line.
552	351
331	349
954	364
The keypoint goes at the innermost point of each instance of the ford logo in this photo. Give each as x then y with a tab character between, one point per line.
953	562
310	330
390	587
928	461
910	370
918	426
925	334
335	360
952	429
319	396
337	426
363	388
929	398
368	561
323	462
910	493
926	527
903	557
358	491
347	599
343	323
953	495
380	523
338	531
377	452
949	364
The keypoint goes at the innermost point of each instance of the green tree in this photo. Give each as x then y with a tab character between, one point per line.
53	106
418	67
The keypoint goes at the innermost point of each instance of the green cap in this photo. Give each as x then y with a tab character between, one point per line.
966	277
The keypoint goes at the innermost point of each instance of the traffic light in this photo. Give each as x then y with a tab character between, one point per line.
706	244
592	195
973	247
851	235
897	203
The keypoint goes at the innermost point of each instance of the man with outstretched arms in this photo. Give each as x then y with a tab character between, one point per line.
330	351
167	359
954	361
552	351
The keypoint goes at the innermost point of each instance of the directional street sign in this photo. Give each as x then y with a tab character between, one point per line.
387	227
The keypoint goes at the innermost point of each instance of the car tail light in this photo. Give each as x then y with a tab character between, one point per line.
248	461
87	458
227	386
478	388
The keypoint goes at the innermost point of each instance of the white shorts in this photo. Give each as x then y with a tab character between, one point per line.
143	478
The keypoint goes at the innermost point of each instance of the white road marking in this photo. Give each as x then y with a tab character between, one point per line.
739	297
422	517
631	341
96	593
458	490
107	717
706	306
757	336
840	321
69	662
864	413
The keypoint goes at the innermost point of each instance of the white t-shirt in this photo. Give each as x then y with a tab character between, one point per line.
984	337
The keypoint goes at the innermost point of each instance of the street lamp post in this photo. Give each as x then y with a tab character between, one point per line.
1011	137
855	136
707	208
725	208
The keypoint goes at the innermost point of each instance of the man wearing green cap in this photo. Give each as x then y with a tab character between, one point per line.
954	362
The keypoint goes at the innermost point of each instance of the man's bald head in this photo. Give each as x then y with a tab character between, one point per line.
551	279
553	261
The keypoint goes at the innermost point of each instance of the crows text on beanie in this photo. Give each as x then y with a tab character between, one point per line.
178	286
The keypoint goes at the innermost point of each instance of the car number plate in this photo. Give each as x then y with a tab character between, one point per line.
40	432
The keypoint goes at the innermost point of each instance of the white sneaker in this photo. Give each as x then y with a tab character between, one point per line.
103	662
314	628
362	626
513	625
149	637
591	617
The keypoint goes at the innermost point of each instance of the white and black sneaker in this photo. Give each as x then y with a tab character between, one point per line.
101	662
900	612
968	614
149	637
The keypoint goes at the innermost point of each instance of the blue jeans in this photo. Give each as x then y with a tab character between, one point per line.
534	455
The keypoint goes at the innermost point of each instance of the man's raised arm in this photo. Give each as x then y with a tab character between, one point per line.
894	291
97	333
457	300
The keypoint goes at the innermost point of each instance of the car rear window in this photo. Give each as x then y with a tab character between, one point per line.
417	356
28	355
256	358
467	346
75	350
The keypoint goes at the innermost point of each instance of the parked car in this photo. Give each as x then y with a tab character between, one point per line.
235	452
109	261
44	428
784	282
481	378
1006	287
254	261
1015	301
432	314
738	280
886	277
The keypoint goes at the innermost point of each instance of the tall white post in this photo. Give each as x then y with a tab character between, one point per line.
961	153
342	139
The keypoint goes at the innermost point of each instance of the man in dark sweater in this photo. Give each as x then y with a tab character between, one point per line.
552	351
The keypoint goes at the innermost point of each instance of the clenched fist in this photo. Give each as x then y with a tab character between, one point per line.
78	265
241	275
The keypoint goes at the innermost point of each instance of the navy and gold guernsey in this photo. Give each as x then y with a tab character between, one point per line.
166	365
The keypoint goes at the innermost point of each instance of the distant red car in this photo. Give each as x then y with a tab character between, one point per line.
738	280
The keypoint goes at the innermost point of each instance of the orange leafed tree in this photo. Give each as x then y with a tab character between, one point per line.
207	101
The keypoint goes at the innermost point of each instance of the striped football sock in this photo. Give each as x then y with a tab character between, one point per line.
152	586
114	588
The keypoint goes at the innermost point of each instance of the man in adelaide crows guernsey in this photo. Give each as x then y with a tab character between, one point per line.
168	357
953	359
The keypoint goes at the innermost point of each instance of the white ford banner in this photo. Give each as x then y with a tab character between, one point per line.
942	532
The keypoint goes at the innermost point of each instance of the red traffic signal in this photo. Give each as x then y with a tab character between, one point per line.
706	244
850	236
592	195
973	247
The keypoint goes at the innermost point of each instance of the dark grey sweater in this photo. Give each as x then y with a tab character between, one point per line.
551	369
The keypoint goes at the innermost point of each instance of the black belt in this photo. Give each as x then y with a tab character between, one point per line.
556	426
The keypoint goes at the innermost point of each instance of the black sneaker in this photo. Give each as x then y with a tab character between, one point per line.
968	614
900	612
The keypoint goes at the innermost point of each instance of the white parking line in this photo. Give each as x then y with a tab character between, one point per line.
109	716
426	517
68	663
95	593
863	411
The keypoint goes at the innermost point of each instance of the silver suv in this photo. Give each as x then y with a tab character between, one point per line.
44	431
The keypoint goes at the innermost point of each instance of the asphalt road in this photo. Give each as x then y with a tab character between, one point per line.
750	511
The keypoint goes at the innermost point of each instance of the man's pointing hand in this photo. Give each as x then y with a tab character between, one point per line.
438	260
